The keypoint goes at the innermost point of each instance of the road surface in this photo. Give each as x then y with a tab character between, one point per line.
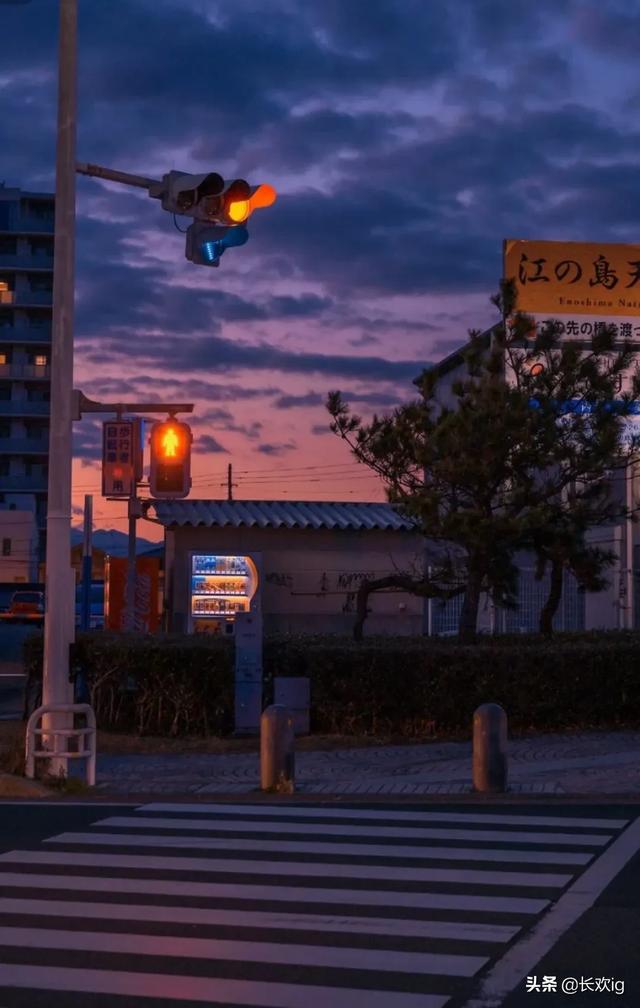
305	906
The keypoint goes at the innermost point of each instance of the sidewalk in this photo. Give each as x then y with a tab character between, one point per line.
603	763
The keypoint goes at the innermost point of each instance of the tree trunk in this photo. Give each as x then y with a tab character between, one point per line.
362	609
550	607
403	582
468	624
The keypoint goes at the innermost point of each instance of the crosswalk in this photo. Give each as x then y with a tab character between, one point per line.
280	906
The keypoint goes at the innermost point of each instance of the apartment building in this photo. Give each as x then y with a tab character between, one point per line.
26	299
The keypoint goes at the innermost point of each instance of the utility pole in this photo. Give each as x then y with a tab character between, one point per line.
230	483
87	549
60	580
134	511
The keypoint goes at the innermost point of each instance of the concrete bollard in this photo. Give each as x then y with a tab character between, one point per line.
277	756
490	749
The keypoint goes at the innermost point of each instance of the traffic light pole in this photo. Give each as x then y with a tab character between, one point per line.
97	171
130	595
60	581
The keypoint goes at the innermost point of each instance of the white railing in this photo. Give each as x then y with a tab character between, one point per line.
86	736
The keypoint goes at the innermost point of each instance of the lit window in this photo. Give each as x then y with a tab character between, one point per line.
40	360
3	358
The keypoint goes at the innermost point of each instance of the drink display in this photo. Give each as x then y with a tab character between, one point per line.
221	586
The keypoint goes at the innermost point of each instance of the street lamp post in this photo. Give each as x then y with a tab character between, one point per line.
60	582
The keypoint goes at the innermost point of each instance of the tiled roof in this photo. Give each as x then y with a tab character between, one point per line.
280	514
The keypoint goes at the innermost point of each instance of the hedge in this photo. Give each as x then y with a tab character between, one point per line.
414	687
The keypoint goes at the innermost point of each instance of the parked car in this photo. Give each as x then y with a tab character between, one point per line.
27	606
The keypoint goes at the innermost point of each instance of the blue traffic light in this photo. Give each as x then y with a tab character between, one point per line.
207	242
212	248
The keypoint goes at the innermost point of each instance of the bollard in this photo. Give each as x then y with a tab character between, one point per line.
490	749
277	758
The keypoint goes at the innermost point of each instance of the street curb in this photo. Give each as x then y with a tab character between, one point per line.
12	786
300	797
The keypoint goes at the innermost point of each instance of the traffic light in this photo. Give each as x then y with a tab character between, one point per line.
207	242
191	194
170	469
238	200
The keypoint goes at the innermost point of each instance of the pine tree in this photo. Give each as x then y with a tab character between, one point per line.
484	479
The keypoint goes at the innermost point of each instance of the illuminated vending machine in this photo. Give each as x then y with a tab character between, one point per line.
221	587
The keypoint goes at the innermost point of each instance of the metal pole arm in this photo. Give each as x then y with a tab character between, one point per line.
139	181
83	405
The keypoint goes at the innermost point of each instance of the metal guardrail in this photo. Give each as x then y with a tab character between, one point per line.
86	734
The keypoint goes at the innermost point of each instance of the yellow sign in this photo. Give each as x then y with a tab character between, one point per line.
574	278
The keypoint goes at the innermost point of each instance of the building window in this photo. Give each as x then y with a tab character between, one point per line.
40	360
6	547
40	283
3	358
5	428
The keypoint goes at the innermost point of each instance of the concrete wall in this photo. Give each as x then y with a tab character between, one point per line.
309	577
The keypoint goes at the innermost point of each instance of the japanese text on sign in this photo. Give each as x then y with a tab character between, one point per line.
579	278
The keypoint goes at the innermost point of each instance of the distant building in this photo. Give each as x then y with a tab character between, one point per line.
26	301
18	545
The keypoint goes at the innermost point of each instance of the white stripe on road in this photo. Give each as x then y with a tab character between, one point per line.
522	957
366	850
218	949
208	989
397	833
334	812
385	926
332	870
219	890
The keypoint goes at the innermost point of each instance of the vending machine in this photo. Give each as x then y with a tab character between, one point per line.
221	587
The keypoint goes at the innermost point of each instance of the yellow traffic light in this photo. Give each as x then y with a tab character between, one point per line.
240	210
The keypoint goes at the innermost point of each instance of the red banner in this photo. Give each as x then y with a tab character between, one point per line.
146	616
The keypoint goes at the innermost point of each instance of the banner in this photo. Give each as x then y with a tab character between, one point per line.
146	618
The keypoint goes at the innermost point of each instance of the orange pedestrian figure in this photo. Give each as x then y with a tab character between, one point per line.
170	442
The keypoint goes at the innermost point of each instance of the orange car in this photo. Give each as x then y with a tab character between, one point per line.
27	605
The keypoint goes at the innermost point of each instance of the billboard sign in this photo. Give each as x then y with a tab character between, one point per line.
582	285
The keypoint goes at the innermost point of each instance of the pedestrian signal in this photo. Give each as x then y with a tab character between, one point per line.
170	469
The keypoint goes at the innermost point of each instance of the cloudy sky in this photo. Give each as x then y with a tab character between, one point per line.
406	140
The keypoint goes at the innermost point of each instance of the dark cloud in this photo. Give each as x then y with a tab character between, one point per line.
87	441
205	444
267	448
371	398
406	141
221	354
